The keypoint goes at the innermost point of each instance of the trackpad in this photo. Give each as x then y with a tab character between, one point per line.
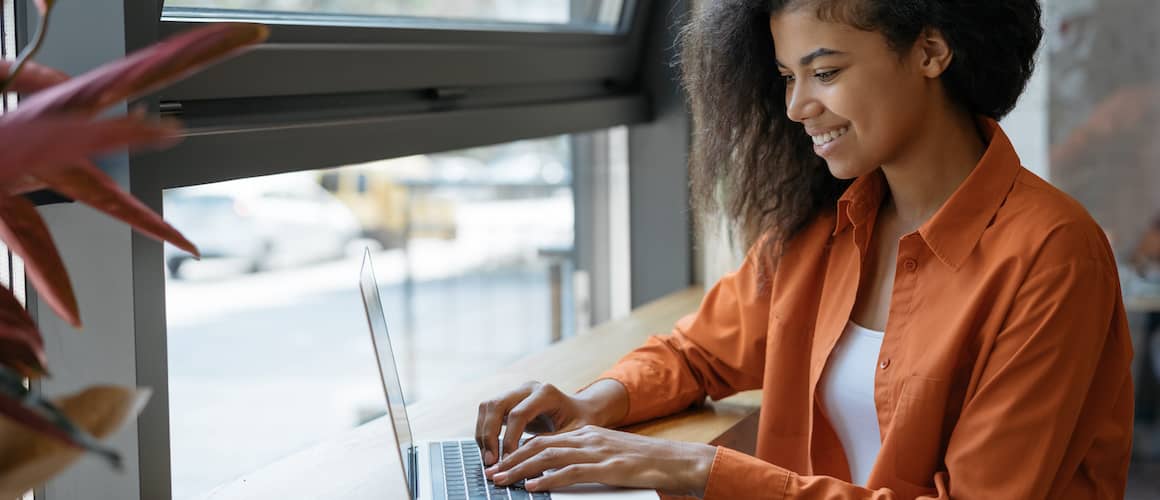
595	491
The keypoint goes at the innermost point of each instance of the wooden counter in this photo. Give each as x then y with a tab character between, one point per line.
364	463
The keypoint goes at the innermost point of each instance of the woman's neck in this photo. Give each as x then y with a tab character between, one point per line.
946	150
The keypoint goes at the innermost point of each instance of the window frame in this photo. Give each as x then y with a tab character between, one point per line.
436	58
475	87
551	83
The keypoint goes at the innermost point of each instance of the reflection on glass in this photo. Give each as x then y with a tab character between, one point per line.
269	351
581	15
1105	151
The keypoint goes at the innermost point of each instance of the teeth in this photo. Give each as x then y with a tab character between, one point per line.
829	136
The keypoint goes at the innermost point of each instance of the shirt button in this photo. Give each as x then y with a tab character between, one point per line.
910	265
885	363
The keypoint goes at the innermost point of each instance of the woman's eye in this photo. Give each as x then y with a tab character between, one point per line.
787	78
826	76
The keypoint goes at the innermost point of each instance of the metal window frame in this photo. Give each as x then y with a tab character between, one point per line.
476	87
461	88
311	60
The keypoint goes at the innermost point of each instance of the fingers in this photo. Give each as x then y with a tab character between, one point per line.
528	450
490	419
488	433
567	476
539	401
580	438
481	436
548	459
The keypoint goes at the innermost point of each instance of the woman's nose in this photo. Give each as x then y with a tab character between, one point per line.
800	105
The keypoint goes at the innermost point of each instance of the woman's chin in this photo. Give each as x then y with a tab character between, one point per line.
844	171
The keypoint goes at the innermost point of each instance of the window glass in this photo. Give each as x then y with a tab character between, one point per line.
268	346
556	15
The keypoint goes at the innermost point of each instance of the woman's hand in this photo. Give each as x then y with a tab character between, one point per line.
597	455
539	408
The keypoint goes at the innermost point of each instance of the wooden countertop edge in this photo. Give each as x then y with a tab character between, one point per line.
354	464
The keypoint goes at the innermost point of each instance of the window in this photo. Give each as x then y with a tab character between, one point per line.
11	266
336	86
269	351
501	52
556	15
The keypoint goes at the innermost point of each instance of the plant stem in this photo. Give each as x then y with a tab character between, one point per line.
29	51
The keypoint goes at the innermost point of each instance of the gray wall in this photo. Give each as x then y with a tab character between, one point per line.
658	171
96	251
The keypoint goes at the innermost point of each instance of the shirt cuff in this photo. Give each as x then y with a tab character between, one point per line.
634	379
737	475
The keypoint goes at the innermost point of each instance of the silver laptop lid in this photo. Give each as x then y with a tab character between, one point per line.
388	371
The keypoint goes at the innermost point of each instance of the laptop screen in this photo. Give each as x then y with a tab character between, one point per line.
396	407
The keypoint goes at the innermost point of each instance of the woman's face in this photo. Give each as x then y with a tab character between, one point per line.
858	100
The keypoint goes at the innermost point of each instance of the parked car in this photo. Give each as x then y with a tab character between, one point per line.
266	222
394	199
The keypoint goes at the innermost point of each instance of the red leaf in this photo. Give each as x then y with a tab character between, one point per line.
33	77
49	142
21	346
14	409
21	185
24	232
143	71
88	184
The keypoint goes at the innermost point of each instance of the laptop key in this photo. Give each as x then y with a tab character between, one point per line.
496	491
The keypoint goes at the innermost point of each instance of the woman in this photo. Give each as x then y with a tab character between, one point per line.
925	317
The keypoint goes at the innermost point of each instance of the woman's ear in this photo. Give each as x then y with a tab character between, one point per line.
934	52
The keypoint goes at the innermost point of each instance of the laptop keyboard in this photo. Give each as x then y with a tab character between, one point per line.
463	473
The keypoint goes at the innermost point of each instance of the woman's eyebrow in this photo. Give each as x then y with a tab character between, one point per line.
809	58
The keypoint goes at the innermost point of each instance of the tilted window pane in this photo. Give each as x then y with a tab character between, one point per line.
601	16
269	351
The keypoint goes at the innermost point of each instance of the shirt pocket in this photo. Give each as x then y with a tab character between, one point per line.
920	419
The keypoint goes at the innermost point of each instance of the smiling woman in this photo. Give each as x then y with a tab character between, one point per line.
925	317
750	146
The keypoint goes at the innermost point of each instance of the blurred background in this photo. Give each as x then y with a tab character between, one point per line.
473	253
517	170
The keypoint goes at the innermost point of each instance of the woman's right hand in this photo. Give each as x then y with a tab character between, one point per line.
542	408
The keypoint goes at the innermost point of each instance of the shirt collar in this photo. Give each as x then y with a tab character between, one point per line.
955	229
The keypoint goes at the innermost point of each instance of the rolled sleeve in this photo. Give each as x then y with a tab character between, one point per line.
716	351
736	475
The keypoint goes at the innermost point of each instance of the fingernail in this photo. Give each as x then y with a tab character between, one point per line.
532	485
500	478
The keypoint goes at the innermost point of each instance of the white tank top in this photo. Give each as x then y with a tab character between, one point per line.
848	397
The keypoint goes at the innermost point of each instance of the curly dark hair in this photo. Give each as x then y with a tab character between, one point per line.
756	165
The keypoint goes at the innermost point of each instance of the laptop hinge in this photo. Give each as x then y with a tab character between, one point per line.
413	459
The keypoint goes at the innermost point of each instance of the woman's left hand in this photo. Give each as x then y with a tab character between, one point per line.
594	454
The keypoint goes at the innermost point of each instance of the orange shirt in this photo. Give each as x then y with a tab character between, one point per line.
1003	374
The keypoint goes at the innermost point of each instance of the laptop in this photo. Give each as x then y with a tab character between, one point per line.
452	469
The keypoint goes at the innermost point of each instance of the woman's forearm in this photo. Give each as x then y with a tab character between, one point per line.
607	399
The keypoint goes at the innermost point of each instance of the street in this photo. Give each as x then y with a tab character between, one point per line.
262	365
